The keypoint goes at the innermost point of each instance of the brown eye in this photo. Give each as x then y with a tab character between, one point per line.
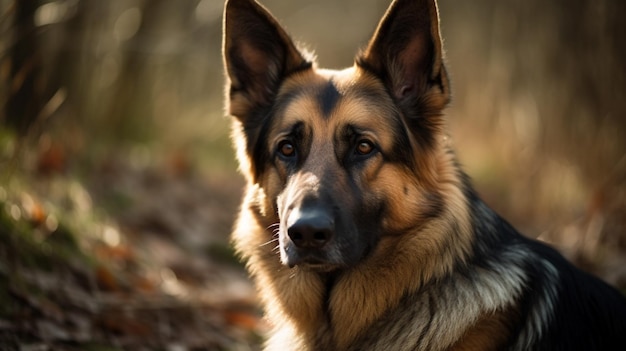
364	147
287	149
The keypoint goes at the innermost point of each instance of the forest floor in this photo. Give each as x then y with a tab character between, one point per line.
127	258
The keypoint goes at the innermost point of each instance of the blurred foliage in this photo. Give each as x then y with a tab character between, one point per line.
98	77
542	81
110	101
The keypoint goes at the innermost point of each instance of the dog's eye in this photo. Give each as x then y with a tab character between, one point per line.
286	149
364	147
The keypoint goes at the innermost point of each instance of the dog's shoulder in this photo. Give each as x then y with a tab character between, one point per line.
579	311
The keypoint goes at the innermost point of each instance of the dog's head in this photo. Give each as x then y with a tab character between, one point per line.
337	160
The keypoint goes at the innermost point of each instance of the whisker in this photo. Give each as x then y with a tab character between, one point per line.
269	242
293	273
275	225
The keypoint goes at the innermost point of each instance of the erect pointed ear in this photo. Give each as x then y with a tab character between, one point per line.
406	53
258	53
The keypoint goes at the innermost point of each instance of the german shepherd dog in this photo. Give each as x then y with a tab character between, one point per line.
358	226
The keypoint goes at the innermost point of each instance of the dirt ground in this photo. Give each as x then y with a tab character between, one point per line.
134	258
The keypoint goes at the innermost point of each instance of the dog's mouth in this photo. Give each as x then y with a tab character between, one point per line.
319	267
312	260
316	265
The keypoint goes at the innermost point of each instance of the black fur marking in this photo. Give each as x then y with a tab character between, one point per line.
328	98
256	131
562	303
402	150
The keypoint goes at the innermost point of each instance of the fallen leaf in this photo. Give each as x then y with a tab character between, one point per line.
116	253
125	325
242	319
52	159
105	279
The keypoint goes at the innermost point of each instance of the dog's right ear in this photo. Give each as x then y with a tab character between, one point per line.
258	54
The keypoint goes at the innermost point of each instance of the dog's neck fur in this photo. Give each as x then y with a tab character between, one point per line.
319	306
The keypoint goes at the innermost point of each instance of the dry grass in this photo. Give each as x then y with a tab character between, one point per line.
538	114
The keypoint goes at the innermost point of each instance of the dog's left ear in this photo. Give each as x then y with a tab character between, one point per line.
406	53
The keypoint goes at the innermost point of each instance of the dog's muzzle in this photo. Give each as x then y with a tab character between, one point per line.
310	233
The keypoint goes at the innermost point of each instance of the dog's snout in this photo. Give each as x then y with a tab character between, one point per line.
311	229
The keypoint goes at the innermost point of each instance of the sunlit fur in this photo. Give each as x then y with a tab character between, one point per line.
416	261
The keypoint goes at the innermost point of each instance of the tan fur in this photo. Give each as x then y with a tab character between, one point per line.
414	250
359	228
489	333
400	265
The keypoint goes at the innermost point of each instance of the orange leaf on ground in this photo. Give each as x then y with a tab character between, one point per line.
117	253
36	214
106	280
241	319
125	325
144	284
51	160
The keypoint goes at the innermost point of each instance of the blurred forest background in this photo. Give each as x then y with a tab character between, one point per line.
118	185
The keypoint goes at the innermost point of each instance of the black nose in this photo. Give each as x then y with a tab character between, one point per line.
311	229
